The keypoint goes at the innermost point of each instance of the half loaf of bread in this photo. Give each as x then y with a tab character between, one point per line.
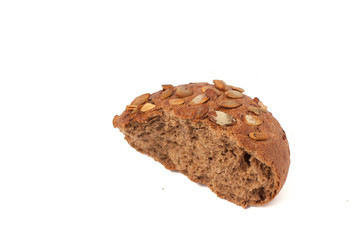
215	135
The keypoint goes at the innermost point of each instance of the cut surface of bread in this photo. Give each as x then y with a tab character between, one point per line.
205	157
237	149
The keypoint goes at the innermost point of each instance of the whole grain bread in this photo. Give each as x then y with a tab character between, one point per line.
215	135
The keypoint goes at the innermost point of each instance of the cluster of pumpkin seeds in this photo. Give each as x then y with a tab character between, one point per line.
208	92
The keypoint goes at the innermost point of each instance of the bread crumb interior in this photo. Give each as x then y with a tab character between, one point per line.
205	156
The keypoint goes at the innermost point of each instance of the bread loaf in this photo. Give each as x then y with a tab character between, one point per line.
215	135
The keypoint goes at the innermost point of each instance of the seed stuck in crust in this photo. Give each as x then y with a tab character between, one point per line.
237	89
183	92
255	110
140	99
259	136
202	98
262	106
166	86
167	93
147	107
221	118
201	111
204	88
131	107
252	120
176	101
220	84
233	94
229	103
212	93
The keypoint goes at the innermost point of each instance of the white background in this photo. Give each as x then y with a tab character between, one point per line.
67	67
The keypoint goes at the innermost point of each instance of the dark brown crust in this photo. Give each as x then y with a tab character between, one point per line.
274	151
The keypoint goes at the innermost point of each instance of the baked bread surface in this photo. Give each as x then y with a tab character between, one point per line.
215	135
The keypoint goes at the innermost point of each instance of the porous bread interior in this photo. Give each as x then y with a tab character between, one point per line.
205	156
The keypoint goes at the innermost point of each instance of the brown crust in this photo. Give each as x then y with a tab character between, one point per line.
273	151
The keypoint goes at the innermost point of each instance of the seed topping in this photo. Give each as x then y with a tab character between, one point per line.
176	101
233	94
229	103
183	92
147	107
262	106
252	120
220	84
131	107
201	111
238	89
255	110
202	98
140	99
259	136
167	93
221	118
166	86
